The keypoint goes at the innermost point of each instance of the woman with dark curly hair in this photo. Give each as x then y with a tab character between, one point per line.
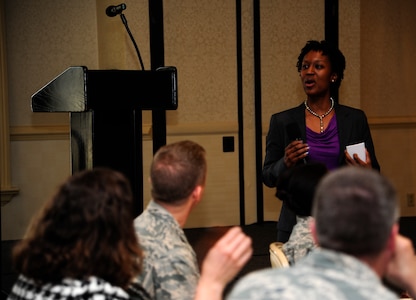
82	245
319	129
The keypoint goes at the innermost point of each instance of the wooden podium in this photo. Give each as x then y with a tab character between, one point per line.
105	109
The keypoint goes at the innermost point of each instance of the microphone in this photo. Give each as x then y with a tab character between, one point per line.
294	134
113	10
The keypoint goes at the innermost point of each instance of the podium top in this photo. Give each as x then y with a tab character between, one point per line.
78	89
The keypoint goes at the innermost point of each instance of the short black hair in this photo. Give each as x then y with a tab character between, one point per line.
335	56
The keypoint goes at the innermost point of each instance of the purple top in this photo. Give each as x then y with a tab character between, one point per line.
324	147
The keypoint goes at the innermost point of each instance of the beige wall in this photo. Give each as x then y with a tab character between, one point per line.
200	41
388	47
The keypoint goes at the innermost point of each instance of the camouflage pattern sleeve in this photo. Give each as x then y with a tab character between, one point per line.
300	242
170	269
323	274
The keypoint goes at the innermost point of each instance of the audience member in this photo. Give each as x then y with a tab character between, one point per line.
177	176
355	214
82	245
296	187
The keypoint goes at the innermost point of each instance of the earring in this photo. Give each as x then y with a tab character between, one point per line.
333	80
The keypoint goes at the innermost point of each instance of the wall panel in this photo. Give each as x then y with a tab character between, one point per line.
285	28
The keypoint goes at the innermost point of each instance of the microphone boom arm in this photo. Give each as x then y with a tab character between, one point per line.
124	20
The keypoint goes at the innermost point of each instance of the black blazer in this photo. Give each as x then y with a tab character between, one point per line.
352	127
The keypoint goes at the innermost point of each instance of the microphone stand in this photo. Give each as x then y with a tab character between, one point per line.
124	20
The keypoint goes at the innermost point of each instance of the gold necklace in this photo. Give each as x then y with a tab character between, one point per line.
321	117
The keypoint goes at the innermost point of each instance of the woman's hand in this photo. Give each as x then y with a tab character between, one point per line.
356	161
294	152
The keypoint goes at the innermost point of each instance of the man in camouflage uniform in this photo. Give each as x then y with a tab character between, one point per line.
296	187
170	269
177	174
355	223
300	242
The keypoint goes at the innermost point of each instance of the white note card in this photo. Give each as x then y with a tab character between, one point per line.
359	149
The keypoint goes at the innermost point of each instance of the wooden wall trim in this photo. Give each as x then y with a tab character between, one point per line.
392	122
379	123
53	132
203	128
61	132
39	133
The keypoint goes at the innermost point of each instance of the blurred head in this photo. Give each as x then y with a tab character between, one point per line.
334	55
355	210
176	170
85	229
296	186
